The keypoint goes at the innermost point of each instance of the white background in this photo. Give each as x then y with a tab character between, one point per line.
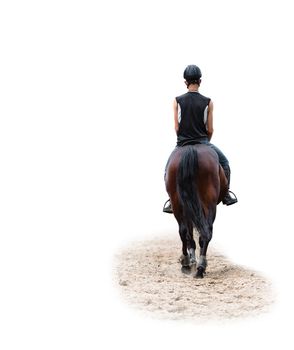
86	128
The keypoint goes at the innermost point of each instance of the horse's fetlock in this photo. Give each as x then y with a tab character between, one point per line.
202	262
185	260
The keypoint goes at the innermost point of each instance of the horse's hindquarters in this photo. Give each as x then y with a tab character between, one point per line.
193	184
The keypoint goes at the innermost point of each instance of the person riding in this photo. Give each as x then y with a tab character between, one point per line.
193	116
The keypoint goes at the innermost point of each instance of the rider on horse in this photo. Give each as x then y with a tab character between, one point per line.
193	115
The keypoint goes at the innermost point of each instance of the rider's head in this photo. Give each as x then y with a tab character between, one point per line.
192	75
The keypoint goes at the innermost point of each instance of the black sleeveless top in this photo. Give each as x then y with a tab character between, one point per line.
192	110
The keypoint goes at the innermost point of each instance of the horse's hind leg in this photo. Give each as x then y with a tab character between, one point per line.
202	263
191	245
204	240
184	259
188	245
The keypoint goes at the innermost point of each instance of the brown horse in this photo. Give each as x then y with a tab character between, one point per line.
196	183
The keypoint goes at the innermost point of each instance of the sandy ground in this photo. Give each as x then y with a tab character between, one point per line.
150	279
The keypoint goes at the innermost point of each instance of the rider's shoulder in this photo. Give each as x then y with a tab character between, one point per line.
204	97
181	97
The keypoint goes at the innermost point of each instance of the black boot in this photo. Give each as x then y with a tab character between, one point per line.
167	208
228	199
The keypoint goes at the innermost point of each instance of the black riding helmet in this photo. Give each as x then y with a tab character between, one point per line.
192	74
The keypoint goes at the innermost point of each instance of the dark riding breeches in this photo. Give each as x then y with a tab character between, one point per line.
222	158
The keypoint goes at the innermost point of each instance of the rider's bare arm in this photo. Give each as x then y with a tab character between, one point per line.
210	120
176	116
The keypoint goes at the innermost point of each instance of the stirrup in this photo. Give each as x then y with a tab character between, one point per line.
233	194
167	207
230	200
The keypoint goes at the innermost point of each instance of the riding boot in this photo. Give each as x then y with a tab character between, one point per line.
228	199
167	208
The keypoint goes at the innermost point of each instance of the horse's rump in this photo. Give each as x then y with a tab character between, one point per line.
193	182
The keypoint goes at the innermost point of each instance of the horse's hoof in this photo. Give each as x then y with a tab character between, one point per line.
186	270
185	261
200	272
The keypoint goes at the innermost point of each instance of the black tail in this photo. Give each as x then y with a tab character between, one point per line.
187	189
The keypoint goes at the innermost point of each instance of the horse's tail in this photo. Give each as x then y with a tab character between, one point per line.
187	189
